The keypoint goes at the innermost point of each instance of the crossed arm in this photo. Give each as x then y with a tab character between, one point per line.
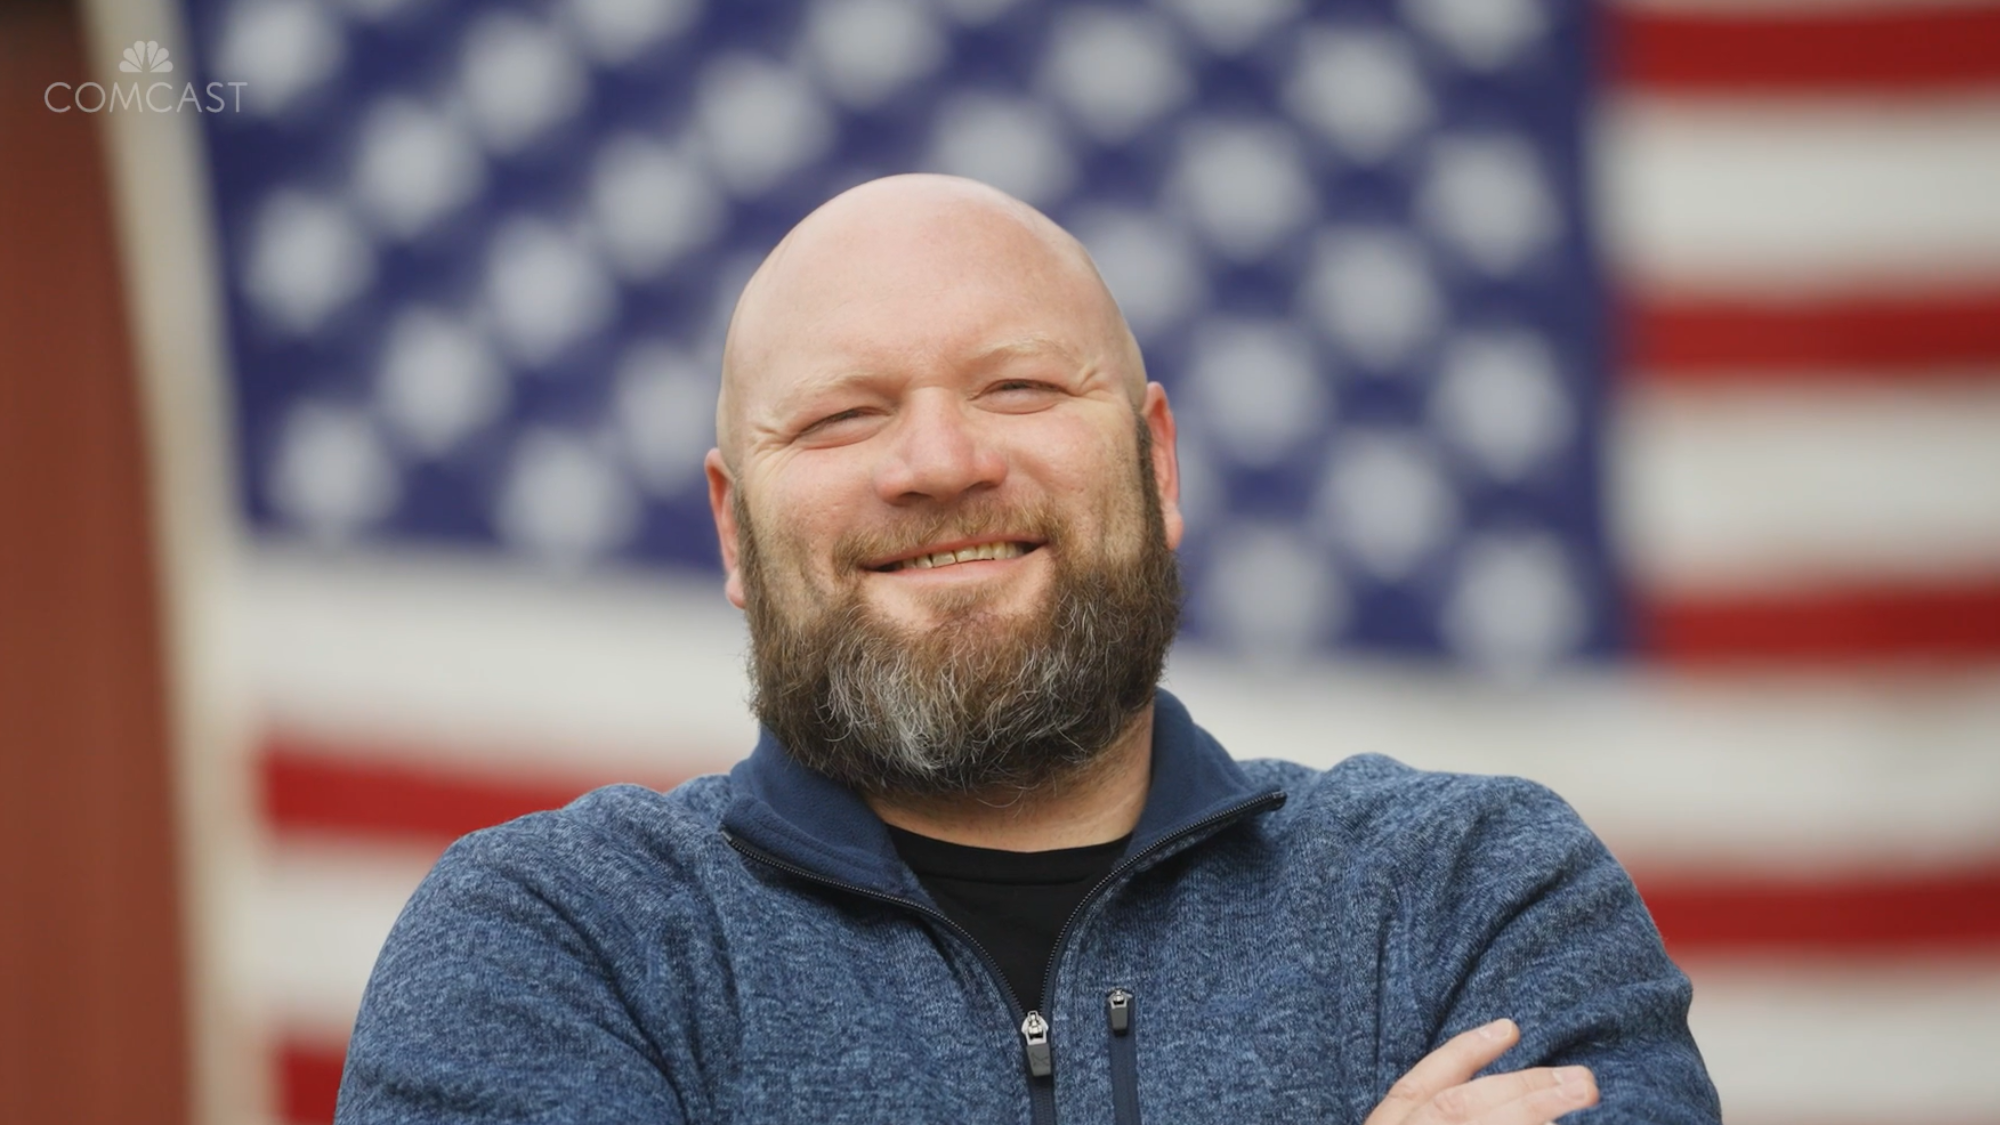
1441	1089
1524	913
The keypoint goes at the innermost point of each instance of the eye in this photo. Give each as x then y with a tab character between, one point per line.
1021	394
832	424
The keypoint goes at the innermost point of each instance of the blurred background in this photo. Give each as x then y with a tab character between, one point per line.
1603	393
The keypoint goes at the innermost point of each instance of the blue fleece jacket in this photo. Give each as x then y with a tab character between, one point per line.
1278	944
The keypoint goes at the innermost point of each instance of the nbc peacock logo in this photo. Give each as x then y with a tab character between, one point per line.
146	56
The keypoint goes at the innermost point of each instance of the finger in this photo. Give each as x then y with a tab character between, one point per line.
1450	1065
1573	1089
1466	1102
1567	1091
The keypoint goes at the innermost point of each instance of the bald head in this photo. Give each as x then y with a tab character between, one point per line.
914	270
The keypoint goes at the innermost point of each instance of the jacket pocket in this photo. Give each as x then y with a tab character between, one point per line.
1121	1017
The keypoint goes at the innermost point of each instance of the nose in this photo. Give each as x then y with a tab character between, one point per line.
937	453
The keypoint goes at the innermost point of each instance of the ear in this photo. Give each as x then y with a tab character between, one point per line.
722	505
1159	418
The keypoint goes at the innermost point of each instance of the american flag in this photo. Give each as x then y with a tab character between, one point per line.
1600	393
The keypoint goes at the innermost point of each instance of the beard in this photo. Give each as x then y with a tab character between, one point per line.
981	703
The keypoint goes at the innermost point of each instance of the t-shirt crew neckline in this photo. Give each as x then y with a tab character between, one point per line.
928	855
1014	904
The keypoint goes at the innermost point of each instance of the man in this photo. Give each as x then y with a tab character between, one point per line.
978	869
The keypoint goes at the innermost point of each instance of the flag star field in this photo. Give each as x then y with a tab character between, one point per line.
480	258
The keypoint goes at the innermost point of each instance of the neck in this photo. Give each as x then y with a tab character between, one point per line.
1096	805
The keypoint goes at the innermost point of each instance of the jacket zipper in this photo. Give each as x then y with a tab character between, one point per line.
1034	1029
1036	1047
1256	804
1124	1057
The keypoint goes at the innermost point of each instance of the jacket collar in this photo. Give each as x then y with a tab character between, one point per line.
810	821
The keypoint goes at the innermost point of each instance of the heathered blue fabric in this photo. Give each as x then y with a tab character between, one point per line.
620	961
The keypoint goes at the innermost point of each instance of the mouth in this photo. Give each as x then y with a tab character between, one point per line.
938	556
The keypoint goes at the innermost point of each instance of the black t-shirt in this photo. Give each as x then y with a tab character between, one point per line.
1012	903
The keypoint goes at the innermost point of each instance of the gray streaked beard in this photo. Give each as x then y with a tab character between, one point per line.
982	704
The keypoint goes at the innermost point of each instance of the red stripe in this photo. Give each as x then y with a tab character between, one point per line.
1681	338
367	790
1858	51
1936	622
320	790
1902	914
308	1080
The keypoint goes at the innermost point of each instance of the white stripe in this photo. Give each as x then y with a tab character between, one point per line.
488	665
1749	196
1777	489
1758	774
320	912
1856	1046
1889	1041
511	673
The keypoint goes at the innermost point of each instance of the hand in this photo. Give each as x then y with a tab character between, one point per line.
1440	1089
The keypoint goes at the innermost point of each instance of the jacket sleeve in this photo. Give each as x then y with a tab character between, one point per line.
1533	919
492	1002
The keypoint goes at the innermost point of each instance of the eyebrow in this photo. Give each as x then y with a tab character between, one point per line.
840	380
835	382
1021	347
1024	347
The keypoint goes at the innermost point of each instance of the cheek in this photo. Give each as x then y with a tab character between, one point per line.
1067	452
801	518
1087	472
816	484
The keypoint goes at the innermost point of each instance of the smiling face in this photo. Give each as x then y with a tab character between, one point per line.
935	432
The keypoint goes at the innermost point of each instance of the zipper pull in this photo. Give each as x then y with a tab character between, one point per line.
1118	1009
1035	1030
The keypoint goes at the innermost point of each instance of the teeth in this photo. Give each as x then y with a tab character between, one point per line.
977	552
